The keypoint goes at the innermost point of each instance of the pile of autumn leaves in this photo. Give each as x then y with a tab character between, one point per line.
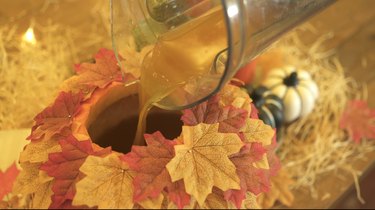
223	158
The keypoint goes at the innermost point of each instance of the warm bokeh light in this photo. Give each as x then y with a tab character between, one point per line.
29	36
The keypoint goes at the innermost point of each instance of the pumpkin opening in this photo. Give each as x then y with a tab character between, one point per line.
116	124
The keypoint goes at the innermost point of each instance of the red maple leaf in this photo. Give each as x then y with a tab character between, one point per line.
104	71
152	176
230	118
254	112
64	167
177	194
273	160
358	120
68	205
252	179
7	179
54	119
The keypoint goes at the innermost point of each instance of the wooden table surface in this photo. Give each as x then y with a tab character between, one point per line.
351	21
353	26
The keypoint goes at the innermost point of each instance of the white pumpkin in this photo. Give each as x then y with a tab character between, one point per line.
296	88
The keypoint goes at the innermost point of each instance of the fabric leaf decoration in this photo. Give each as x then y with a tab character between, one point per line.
255	130
358	120
280	191
64	167
230	118
7	179
99	74
202	161
253	179
152	177
54	119
107	184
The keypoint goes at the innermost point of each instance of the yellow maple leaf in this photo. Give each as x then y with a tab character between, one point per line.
152	203
37	152
202	161
215	200
280	191
256	131
32	181
108	183
233	95
132	60
28	180
42	196
250	202
15	202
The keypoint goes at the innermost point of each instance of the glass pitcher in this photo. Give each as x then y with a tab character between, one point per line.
251	26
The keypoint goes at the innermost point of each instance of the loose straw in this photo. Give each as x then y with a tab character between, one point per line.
30	75
315	145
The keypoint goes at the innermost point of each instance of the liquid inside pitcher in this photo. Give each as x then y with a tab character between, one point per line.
196	46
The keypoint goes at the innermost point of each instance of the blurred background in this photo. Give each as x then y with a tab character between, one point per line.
41	40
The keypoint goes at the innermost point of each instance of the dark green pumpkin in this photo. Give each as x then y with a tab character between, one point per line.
270	107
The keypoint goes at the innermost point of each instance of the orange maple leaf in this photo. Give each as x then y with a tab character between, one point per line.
97	75
152	177
230	118
253	179
358	120
202	161
101	73
64	167
55	118
7	179
177	194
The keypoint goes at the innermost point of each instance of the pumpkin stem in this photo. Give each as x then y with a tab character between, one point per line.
291	80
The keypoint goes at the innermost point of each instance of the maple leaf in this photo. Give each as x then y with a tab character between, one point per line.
256	131
273	160
42	196
280	190
101	73
31	181
230	118
358	120
54	119
215	200
37	151
74	85
177	194
149	162
14	202
205	112
235	96
250	202
107	184
254	112
64	167
28	179
202	161
7	179
152	203
132	60
253	179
